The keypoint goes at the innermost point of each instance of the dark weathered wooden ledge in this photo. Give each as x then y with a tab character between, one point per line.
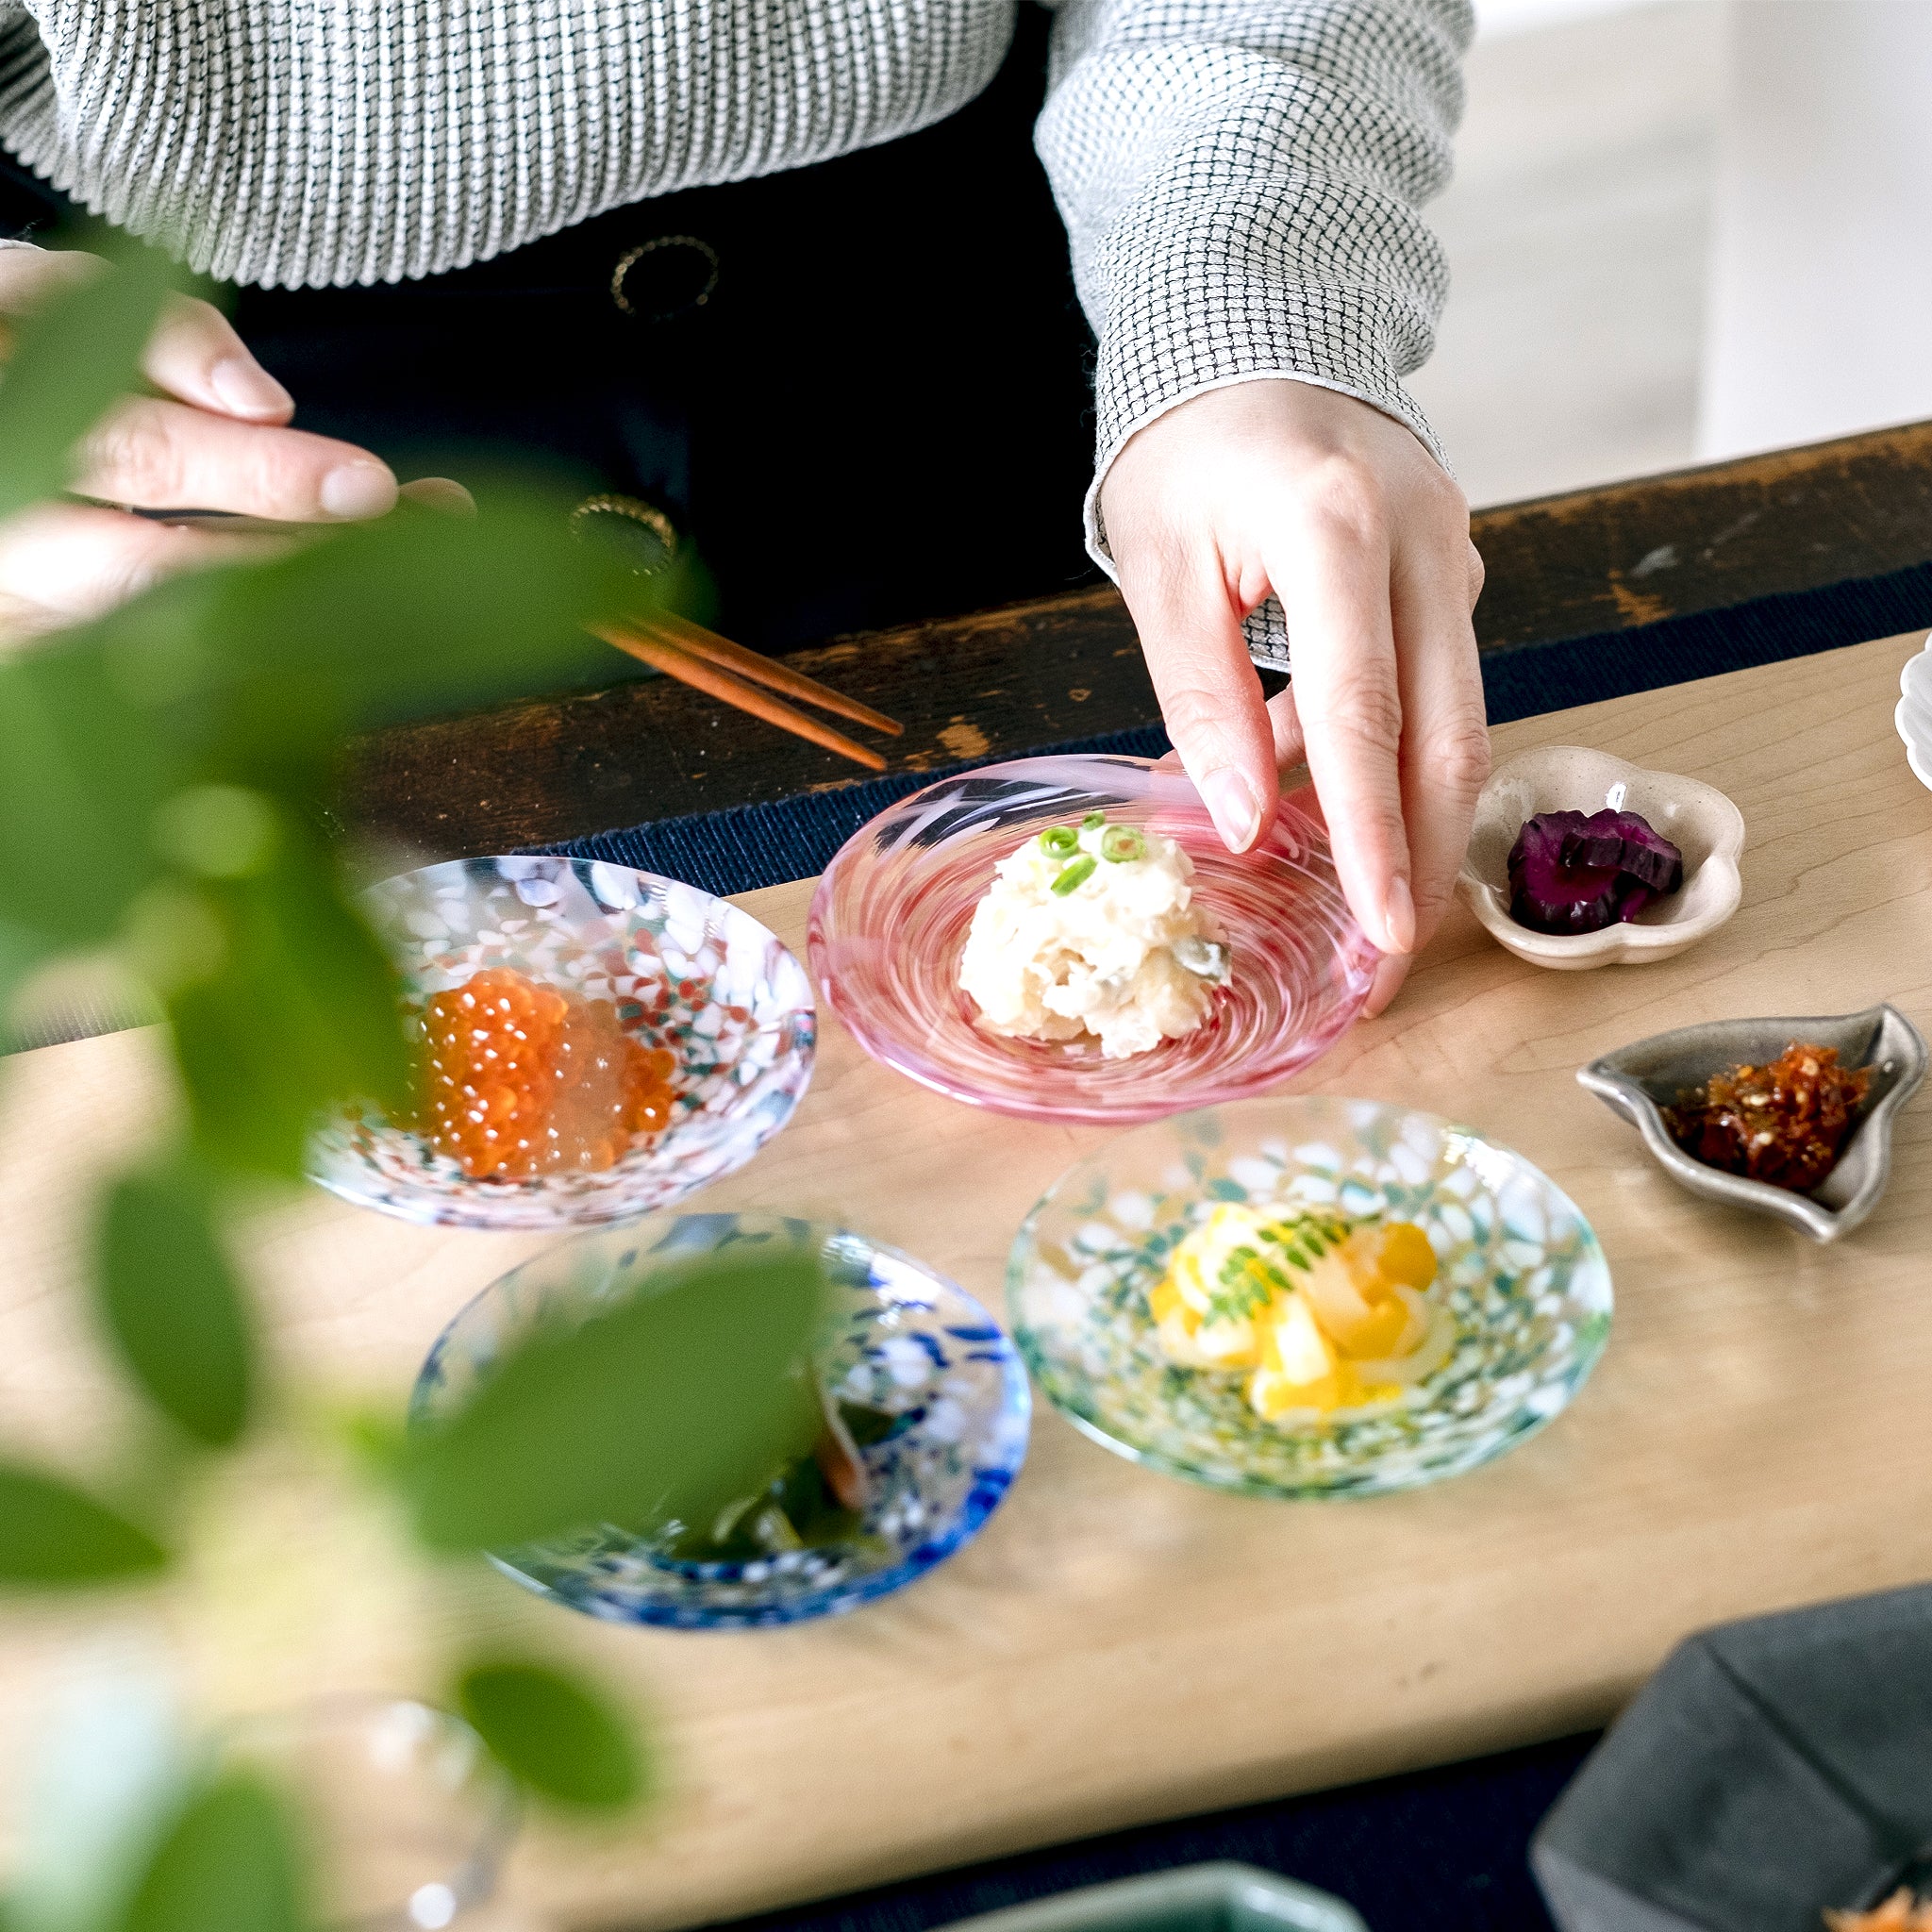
1595	560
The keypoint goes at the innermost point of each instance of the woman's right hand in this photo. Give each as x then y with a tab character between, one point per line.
215	436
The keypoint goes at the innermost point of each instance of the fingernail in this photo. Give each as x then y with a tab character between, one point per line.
1389	973
247	388
1398	918
1232	807
358	489
441	493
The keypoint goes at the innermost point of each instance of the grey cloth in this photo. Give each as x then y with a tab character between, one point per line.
1771	1769
1239	178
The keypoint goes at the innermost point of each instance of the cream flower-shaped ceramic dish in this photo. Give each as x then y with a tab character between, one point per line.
1698	819
1913	715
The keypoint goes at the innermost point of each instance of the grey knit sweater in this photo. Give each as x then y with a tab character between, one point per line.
1239	178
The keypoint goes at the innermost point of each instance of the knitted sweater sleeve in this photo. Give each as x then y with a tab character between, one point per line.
1241	181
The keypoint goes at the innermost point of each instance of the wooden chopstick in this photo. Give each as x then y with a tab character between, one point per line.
708	646
661	655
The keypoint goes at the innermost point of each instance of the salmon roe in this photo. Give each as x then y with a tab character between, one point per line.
519	1079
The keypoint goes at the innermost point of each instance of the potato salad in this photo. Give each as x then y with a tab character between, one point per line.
1094	930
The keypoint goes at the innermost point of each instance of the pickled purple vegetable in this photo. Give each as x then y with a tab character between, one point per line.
1648	856
1571	874
1593	848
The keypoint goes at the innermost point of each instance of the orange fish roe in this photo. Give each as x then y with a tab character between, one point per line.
519	1079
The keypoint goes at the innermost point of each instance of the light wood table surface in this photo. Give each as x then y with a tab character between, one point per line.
1117	1646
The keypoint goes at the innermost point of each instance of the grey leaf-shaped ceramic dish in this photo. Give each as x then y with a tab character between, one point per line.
1640	1080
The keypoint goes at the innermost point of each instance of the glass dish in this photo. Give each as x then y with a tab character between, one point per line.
1521	1268
688	971
407	1813
890	919
901	1340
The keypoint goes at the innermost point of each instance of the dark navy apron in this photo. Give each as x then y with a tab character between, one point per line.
861	390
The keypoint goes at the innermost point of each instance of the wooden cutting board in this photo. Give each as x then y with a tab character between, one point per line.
1117	1646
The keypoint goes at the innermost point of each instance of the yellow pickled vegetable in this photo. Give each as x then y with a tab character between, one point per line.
1382	1334
1405	1255
1328	1314
1295	1347
1165	1300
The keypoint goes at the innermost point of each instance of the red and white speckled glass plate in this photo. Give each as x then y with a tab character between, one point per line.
891	916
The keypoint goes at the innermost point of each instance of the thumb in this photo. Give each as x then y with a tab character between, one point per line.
1210	697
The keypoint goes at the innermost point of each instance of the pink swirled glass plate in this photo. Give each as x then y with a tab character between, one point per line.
890	915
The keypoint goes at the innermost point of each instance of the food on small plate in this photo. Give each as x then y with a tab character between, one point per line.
813	1503
1092	930
1901	1913
515	1079
1320	1311
1785	1123
1570	872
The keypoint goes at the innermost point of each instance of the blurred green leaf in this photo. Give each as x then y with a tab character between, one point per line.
553	1733
21	952
172	1303
414	613
228	1863
51	1532
71	358
376	1440
81	771
300	1015
218	832
672	1403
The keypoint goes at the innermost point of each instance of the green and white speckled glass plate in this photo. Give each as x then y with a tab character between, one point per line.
1518	1266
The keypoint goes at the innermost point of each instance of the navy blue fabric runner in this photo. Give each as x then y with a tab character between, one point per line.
793	837
1435	1851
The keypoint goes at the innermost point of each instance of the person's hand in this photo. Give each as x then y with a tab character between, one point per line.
1337	509
214	438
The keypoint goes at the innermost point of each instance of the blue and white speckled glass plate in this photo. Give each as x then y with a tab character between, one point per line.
901	1340
1517	1264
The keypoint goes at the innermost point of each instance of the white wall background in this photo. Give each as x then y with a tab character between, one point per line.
1820	272
1577	230
1494	17
1683	229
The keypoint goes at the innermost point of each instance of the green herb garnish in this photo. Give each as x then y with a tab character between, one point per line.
1073	873
1304	1238
1249	1281
1059	842
1094	821
1251	1276
1122	842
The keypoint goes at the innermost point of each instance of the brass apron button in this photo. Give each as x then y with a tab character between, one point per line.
663	278
637	531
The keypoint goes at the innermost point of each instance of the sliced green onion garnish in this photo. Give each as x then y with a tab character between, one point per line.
1119	843
1094	821
1059	842
1074	871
